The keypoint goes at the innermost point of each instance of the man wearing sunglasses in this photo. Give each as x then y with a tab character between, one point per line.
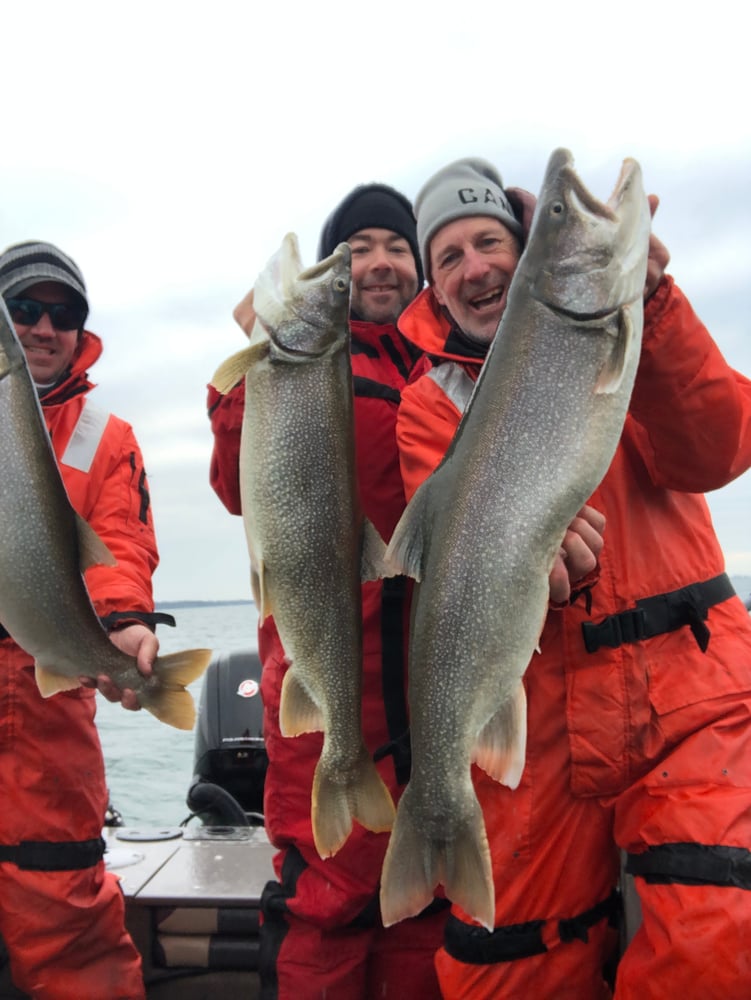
62	916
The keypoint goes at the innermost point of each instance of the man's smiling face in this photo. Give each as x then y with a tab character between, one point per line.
472	261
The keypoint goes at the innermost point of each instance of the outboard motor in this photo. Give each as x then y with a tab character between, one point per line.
230	755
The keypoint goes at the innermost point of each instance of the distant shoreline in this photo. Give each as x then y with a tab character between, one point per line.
198	604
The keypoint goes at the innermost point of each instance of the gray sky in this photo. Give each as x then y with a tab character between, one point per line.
168	147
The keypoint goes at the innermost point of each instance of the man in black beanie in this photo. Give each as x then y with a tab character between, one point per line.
322	933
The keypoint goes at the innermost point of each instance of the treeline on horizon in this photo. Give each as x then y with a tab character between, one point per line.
200	604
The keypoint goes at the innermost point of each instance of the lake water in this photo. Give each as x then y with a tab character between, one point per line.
149	764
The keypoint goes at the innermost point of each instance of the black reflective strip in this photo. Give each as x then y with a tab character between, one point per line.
395	356
393	676
693	864
150	618
478	946
45	856
362	347
368	388
660	614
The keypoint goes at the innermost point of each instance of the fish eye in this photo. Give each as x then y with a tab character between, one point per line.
557	208
340	284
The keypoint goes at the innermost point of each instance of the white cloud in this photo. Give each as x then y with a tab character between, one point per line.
174	146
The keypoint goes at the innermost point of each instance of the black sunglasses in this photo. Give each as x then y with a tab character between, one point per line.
63	315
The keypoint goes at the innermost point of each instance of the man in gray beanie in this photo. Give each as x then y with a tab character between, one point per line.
322	931
62	916
629	738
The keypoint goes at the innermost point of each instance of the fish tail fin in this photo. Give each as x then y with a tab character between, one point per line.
337	799
502	744
416	863
169	701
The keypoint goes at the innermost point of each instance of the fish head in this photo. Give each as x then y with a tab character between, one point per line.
584	257
303	313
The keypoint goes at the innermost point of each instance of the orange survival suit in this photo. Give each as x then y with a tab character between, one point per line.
61	914
639	703
321	920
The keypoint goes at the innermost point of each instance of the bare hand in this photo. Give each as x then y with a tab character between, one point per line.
135	640
658	257
245	315
582	545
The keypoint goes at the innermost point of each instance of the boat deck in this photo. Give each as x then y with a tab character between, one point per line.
192	897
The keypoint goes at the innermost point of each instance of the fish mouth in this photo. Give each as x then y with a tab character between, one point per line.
562	165
580	317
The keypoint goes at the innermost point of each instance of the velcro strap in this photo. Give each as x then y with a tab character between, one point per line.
478	946
693	864
47	856
660	614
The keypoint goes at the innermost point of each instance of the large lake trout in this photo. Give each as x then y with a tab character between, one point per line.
481	534
45	547
310	545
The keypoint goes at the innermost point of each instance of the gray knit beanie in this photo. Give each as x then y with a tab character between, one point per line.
464	188
25	264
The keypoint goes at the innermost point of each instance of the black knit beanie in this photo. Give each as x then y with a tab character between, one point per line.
371	205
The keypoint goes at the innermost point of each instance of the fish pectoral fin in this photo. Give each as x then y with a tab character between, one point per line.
404	554
337	799
236	367
92	551
416	863
50	683
298	713
611	375
502	743
372	560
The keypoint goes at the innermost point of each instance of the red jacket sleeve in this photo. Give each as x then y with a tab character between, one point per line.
693	411
226	416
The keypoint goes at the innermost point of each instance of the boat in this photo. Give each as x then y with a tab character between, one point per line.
193	892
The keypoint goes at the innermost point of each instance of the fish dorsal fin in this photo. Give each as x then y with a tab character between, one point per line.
372	561
236	367
611	375
298	713
92	551
405	552
502	743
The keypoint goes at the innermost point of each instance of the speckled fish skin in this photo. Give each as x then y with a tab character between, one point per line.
482	533
309	543
45	546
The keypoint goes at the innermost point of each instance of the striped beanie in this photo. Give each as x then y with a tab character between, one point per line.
25	264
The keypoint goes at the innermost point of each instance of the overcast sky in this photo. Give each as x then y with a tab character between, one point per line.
168	147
